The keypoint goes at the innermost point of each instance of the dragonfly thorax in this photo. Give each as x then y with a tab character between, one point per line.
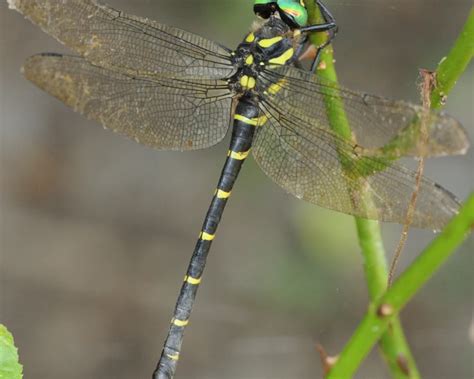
271	44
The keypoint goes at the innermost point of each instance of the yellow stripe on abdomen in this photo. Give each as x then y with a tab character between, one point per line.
191	280
173	357
257	121
239	156
180	323
206	236
222	194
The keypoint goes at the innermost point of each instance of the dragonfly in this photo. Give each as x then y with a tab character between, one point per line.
169	89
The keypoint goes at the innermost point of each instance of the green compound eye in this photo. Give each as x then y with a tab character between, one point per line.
293	12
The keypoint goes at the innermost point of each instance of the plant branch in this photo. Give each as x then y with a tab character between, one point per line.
393	343
384	311
427	85
451	67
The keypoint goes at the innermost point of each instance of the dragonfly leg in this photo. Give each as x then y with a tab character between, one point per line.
311	53
329	26
315	63
299	54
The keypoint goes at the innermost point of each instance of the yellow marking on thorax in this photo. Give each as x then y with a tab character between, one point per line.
239	156
247	82
262	120
282	59
222	194
206	236
191	280
257	121
249	60
177	322
276	87
173	357
269	41
250	38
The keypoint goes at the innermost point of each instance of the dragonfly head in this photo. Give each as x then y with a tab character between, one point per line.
265	8
292	12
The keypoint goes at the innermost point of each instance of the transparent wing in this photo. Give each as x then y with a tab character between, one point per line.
162	113
385	127
315	165
129	44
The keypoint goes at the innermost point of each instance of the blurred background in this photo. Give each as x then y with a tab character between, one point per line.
96	231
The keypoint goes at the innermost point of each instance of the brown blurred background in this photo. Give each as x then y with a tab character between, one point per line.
96	231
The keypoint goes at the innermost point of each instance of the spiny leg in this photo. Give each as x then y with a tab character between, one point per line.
329	26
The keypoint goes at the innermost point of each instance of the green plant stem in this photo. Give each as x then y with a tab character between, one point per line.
451	67
374	325
394	346
428	262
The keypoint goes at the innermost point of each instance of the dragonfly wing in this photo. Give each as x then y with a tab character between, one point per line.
129	44
316	165
383	127
162	113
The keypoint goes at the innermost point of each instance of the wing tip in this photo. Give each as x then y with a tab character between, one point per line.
448	205
12	4
34	61
455	133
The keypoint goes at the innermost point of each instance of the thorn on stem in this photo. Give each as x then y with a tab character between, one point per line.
327	361
402	363
385	310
